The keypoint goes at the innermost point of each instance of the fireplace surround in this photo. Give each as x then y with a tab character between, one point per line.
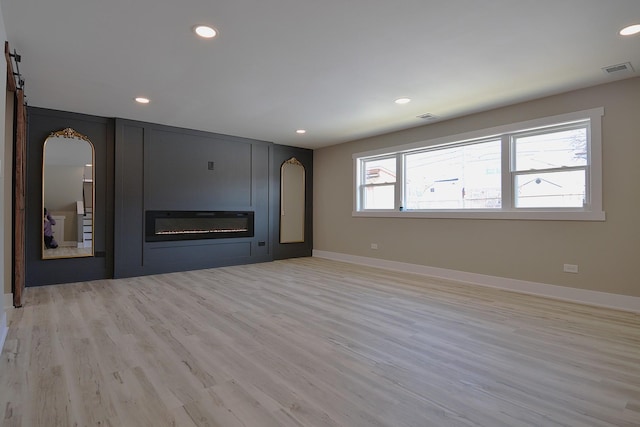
191	225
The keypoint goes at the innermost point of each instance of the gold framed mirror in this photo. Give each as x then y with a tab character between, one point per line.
68	195
292	201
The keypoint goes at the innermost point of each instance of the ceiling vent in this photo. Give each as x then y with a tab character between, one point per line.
427	116
618	69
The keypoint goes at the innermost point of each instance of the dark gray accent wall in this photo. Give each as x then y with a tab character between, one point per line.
143	166
164	168
282	153
41	122
177	172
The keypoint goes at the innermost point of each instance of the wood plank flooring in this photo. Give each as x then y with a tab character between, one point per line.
66	252
312	342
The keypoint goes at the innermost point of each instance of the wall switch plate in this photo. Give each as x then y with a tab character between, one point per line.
570	268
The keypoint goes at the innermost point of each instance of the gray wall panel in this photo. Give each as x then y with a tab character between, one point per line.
177	173
260	200
192	256
165	168
129	224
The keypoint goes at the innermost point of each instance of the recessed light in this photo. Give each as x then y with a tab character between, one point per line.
142	100
630	30
402	100
205	31
301	131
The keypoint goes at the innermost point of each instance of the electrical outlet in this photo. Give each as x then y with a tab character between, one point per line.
570	268
374	246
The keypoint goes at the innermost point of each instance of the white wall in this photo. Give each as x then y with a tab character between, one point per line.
8	192
5	172
63	187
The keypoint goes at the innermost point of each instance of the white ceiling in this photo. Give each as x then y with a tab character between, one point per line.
332	67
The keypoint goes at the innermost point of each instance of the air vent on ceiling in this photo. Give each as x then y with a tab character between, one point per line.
427	116
618	69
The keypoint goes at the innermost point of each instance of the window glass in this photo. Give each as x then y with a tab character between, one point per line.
555	149
460	177
379	197
550	189
379	180
380	171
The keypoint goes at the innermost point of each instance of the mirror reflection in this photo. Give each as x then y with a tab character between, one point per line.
292	199
67	195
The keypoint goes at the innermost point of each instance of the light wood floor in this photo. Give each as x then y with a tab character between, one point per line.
66	252
311	342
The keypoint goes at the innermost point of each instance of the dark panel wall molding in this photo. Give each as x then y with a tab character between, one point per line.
177	173
280	154
144	166
161	168
41	122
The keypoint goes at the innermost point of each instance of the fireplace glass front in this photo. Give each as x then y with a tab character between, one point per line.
190	225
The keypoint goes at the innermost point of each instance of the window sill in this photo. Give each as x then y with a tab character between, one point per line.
535	215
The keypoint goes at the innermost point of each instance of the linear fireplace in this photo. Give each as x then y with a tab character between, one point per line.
189	225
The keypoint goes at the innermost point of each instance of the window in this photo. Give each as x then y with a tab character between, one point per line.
379	182
550	167
458	177
542	169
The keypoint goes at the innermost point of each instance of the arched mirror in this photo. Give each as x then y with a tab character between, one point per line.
67	195
292	201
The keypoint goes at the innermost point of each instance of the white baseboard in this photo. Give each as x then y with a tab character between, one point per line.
3	329
8	301
582	296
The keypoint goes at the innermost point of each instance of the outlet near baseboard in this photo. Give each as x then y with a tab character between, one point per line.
570	268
